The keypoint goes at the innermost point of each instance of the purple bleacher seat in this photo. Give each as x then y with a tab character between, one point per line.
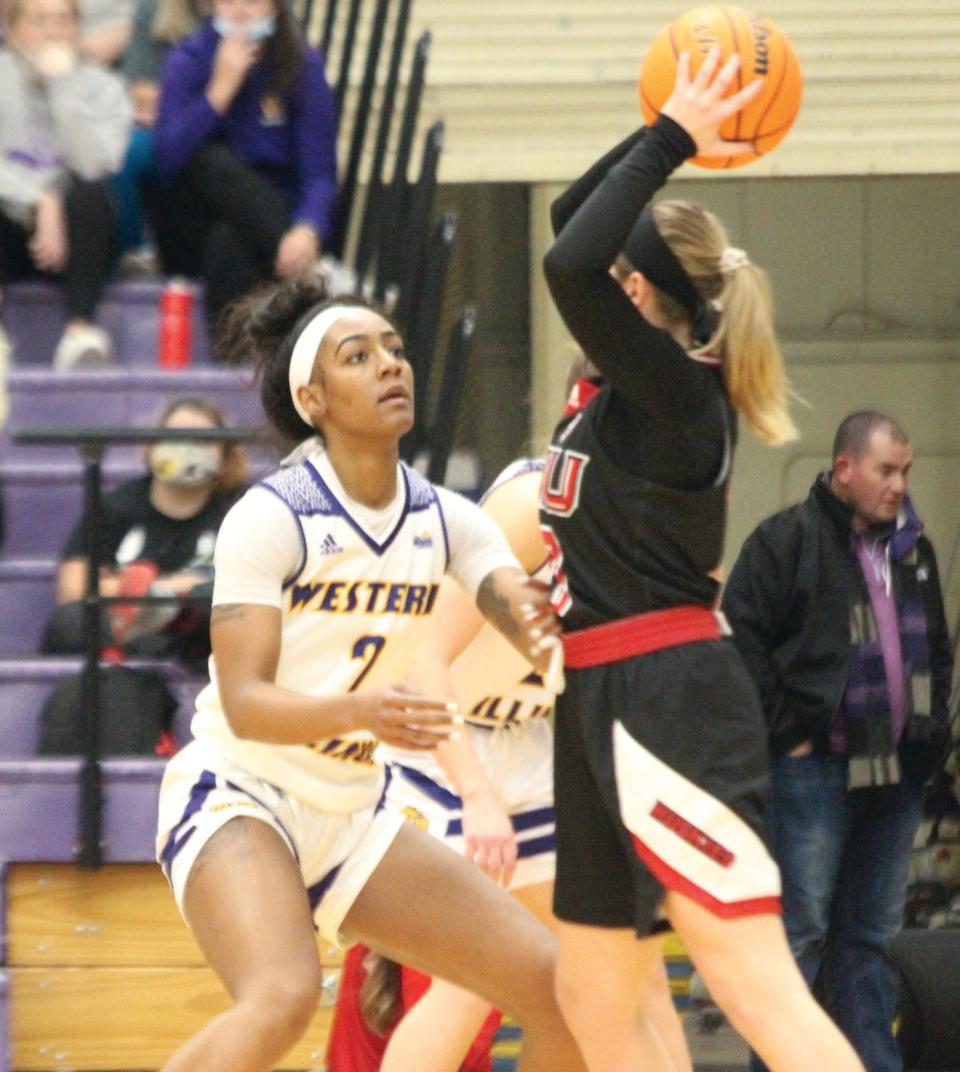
26	682
39	809
6	1049
117	397
129	311
43	502
27	596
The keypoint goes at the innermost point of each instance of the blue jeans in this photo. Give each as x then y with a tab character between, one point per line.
844	859
132	185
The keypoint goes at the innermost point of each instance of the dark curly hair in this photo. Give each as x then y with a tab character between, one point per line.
263	327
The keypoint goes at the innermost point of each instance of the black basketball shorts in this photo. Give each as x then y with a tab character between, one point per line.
660	778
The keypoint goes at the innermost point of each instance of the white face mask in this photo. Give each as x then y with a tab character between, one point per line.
254	31
185	465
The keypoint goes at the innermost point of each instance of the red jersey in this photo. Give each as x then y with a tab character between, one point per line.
354	1047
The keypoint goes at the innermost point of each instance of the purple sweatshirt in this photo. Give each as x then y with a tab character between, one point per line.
294	146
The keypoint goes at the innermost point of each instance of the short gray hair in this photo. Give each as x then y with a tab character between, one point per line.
853	435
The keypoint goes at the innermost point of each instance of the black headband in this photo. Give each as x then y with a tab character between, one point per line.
649	253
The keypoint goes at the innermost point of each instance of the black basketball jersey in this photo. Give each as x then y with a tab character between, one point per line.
622	544
634	497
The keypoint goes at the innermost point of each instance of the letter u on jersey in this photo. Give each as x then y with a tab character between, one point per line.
561	481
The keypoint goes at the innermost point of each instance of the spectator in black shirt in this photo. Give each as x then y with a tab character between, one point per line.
158	535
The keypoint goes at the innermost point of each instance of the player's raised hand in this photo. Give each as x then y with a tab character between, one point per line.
519	607
698	104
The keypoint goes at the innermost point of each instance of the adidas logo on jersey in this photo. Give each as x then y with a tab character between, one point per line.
330	546
424	540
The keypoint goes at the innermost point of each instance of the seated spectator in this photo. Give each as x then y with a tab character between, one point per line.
158	25
104	30
157	537
246	130
63	129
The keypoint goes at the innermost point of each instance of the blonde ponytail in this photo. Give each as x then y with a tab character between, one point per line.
744	339
746	344
381	1001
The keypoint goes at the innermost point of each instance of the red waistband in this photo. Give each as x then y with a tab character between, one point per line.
642	633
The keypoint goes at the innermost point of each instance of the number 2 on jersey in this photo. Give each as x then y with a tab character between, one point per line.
367	648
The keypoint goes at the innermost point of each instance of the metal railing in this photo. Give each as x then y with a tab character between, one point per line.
92	443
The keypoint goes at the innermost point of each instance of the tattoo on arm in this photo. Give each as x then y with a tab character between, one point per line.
495	607
225	612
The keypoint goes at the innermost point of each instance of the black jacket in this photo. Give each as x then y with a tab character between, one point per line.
787	600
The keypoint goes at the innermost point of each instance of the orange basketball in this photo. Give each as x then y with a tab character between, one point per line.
765	52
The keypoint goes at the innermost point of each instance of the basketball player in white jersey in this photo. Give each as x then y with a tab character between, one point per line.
271	822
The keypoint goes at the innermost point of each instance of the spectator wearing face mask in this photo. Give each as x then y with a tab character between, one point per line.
105	27
157	537
245	132
64	124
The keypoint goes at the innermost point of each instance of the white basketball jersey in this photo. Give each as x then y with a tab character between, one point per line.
352	616
494	683
495	686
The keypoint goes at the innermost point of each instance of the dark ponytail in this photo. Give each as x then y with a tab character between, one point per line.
262	328
284	51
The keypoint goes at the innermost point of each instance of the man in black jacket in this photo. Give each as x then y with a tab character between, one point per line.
836	607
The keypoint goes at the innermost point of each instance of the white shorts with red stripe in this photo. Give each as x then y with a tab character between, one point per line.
690	841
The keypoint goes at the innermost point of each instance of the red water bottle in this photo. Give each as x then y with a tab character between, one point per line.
176	324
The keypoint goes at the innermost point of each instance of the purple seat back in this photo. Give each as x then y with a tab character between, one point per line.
42	486
27	596
118	397
39	809
43	503
129	311
25	684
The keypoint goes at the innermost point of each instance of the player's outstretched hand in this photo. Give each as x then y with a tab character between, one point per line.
406	720
698	104
488	837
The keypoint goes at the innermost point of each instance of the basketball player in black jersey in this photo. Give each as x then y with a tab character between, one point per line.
660	764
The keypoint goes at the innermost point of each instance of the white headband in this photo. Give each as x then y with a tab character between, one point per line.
305	351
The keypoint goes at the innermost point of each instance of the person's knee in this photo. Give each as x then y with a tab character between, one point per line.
593	1001
89	199
807	943
567	985
746	1002
806	919
740	987
284	1003
212	166
222	245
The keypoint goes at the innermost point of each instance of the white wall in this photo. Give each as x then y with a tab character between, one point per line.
532	89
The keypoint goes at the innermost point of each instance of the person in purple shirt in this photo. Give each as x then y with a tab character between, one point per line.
836	606
246	132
